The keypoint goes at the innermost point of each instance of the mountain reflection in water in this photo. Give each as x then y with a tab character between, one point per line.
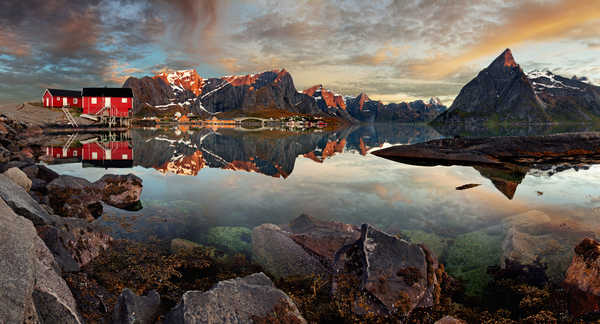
238	180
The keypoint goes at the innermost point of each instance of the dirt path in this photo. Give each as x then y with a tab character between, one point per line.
36	115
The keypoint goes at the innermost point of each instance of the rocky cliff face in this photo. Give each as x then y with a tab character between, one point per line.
267	91
503	93
364	109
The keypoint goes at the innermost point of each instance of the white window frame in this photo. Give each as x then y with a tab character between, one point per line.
94	155
74	101
123	100
94	100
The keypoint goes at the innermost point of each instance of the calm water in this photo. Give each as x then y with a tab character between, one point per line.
212	186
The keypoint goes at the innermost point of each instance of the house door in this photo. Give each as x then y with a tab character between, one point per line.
47	102
65	102
107	102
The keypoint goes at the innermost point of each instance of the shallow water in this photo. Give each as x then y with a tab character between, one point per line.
199	183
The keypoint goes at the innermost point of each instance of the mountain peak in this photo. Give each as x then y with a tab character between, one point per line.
505	59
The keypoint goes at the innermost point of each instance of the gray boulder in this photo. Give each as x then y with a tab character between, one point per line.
387	274
21	202
252	299
305	246
71	196
32	288
18	177
121	191
134	309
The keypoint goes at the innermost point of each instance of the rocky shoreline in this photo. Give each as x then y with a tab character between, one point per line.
59	266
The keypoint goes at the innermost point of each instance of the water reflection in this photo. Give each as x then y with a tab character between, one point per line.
233	181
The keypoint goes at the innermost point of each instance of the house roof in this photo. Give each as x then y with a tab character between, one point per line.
107	92
64	93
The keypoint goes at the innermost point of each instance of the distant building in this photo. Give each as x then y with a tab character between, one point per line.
117	102
59	98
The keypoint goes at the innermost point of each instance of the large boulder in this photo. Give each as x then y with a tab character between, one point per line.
32	288
18	177
21	202
134	309
71	196
121	191
386	275
583	278
252	299
304	247
74	242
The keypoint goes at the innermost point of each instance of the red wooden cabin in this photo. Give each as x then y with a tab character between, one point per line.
114	102
61	98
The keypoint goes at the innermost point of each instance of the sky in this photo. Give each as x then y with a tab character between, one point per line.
393	50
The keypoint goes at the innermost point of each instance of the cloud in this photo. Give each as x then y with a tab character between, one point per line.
530	21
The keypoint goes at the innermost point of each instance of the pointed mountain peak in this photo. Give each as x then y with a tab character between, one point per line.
505	59
311	91
363	97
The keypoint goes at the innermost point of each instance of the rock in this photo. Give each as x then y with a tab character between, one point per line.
76	197
134	309
304	247
21	202
18	177
71	196
32	288
450	320
536	240
39	185
232	238
121	191
583	278
252	299
17	263
42	172
178	244
386	274
74	242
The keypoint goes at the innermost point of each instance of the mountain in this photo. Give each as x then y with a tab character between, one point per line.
363	109
266	93
503	93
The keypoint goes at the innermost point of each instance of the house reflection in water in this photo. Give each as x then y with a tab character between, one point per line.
104	151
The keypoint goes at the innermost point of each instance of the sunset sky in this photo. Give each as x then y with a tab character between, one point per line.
392	50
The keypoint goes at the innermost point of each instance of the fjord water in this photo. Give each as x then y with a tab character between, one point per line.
213	186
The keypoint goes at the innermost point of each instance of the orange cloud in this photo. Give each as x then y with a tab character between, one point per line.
11	45
528	22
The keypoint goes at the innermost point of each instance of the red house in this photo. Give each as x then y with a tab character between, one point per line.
61	98
117	102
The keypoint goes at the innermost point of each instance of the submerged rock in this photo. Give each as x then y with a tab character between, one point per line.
18	177
449	320
387	275
251	299
178	244
306	246
134	309
583	278
233	238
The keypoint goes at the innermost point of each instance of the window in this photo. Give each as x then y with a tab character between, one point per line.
124	157
75	101
75	153
94	155
124	100
57	98
94	100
